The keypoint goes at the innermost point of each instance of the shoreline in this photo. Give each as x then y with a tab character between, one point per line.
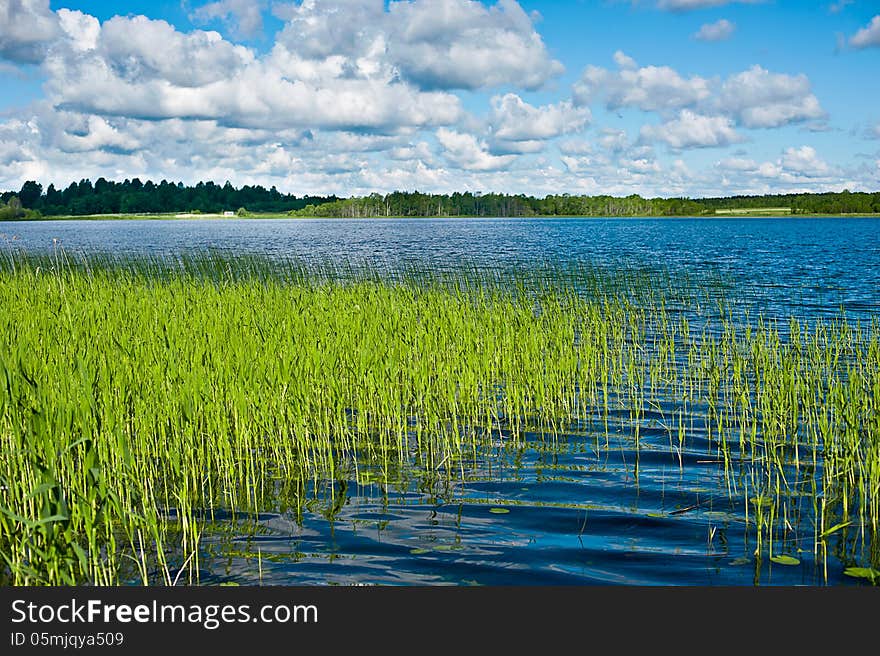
272	215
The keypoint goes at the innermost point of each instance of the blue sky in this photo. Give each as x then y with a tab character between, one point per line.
656	97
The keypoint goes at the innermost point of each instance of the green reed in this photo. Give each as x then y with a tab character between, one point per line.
138	397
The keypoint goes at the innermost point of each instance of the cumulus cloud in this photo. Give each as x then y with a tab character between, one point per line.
642	165
462	44
623	60
137	49
517	126
82	30
868	36
737	164
94	133
199	75
244	17
761	99
795	165
613	140
435	44
575	147
720	30
804	161
755	98
690	130
27	27
467	152
650	88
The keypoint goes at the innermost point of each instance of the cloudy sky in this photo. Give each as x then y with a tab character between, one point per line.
656	97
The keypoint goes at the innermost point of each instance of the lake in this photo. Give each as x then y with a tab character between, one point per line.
543	512
814	265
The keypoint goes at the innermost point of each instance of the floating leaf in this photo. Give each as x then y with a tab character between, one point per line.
229	584
419	552
499	511
740	561
783	559
863	573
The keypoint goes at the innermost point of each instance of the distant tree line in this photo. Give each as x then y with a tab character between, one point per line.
475	204
136	197
133	197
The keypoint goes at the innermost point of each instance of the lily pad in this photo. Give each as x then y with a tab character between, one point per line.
783	559
499	511
863	573
419	552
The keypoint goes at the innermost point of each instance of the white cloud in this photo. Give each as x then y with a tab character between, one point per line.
138	49
650	88
200	75
462	44
720	30
575	147
434	44
82	30
27	28
624	61
466	152
95	133
754	98
692	130
420	151
760	99
340	29
739	164
804	161
244	17
517	126
641	166
868	36
795	165
613	140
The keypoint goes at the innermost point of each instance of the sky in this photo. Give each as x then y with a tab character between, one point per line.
652	97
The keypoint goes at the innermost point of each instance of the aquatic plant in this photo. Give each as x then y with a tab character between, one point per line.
139	397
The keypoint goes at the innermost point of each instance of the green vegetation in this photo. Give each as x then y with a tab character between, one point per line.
489	205
134	197
12	209
139	398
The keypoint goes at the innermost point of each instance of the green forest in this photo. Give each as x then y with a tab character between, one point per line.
135	197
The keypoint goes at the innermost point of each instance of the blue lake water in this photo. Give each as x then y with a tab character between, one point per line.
824	264
576	514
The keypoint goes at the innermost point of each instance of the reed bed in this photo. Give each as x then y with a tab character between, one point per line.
139	397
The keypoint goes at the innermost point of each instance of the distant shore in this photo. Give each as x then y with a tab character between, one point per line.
189	216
